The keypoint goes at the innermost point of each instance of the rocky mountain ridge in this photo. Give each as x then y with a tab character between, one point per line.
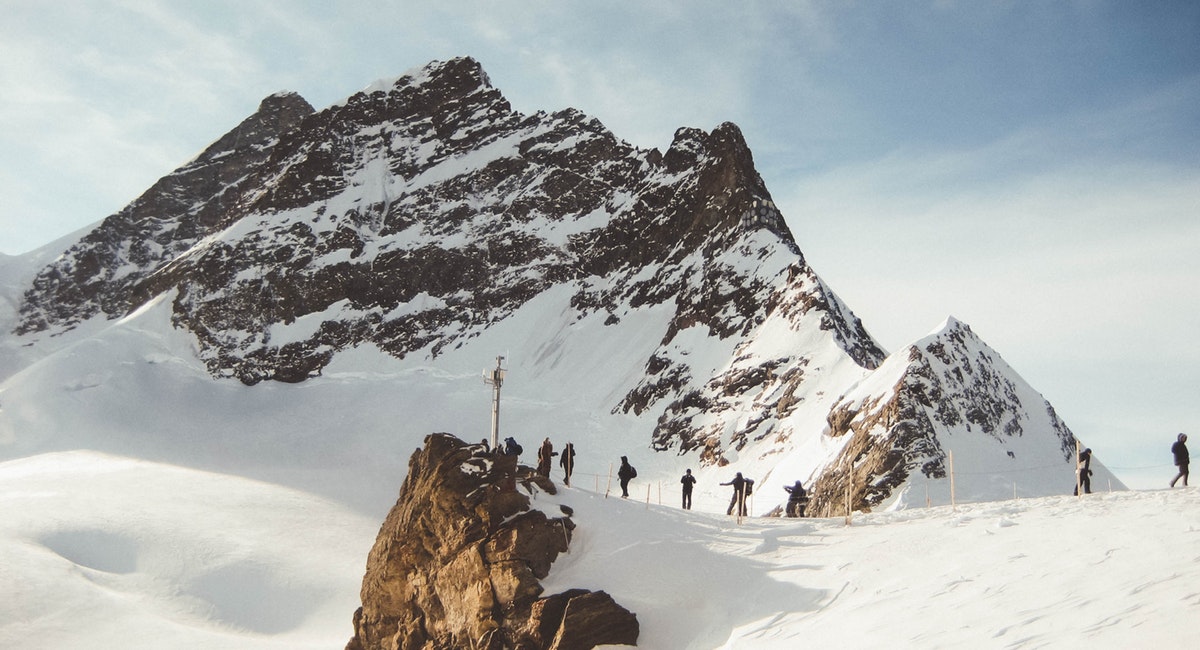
420	217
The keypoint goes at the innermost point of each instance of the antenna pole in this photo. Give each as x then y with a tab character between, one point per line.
495	379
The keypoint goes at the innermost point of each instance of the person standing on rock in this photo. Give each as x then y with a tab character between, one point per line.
546	456
688	482
568	462
741	489
626	473
1083	472
1179	449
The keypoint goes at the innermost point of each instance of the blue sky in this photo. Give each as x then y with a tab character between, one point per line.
1032	168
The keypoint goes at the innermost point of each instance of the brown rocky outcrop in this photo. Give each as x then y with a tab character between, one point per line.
458	563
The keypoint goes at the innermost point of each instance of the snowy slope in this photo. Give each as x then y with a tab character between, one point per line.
109	552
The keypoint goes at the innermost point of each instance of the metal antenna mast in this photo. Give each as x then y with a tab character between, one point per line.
495	379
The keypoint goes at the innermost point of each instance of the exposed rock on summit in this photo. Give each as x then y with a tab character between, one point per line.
458	561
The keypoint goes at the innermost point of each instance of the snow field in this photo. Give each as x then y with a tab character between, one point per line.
109	552
1115	570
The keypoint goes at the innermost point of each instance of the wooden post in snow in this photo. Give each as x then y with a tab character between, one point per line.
849	480
953	503
608	488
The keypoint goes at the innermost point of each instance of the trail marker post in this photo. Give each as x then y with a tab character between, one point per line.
953	502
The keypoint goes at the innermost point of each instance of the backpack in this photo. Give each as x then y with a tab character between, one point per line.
632	472
749	486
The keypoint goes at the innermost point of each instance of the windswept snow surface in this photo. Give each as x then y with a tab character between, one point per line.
108	552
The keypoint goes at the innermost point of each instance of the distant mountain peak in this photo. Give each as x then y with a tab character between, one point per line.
947	391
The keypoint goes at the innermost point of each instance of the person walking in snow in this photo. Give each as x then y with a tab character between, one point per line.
512	447
626	473
1179	449
741	489
797	499
1083	472
568	462
546	456
688	482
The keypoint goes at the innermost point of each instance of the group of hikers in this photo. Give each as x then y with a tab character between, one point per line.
1083	466
797	496
742	487
546	456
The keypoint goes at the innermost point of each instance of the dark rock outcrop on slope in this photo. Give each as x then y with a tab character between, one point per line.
458	560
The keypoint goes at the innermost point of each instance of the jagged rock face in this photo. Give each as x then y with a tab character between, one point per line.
951	383
458	560
754	392
414	216
102	273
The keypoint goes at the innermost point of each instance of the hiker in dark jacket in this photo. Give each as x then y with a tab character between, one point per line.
626	473
568	462
546	456
797	499
740	491
1181	459
1083	472
511	447
688	482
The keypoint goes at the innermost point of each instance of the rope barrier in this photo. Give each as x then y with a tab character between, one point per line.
1014	471
1141	467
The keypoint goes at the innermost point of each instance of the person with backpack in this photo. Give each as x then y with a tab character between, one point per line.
688	482
626	473
1179	449
546	456
742	488
797	499
568	462
512	448
1083	472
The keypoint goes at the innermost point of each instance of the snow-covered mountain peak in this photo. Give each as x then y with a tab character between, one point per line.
948	392
658	298
461	71
945	327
